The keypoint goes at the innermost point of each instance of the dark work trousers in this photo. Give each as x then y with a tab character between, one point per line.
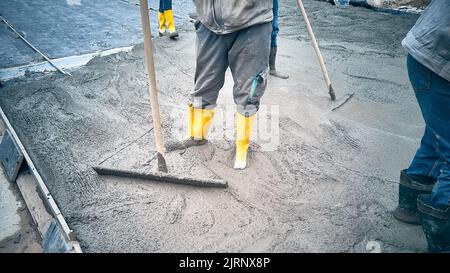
246	52
165	5
433	156
275	27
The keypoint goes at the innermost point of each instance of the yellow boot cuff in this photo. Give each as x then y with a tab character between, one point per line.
244	127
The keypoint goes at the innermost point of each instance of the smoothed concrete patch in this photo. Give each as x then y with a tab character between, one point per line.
70	62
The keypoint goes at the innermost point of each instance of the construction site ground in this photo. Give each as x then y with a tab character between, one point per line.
326	183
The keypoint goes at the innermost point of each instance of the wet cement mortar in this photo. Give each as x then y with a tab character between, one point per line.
328	187
62	28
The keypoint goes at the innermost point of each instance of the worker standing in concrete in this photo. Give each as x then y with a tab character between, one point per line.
234	34
165	19
424	191
274	44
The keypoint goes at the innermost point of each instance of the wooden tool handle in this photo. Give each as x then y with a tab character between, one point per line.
148	48
316	46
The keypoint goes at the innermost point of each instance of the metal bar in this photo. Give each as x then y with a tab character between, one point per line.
349	96
34	48
47	196
162	177
64	62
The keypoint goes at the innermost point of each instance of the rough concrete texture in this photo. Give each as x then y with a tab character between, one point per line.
329	187
397	3
61	28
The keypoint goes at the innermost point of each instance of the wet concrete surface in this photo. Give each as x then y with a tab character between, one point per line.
329	185
63	28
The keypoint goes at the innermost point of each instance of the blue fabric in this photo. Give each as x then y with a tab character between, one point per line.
275	28
433	156
428	41
165	5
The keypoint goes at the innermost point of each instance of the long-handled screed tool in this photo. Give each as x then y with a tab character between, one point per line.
321	61
148	49
162	175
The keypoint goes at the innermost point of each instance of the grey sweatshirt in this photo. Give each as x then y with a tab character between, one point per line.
429	40
227	16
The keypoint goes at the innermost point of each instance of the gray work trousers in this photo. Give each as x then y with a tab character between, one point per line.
246	52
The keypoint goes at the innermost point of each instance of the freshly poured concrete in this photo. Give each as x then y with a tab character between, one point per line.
328	187
62	28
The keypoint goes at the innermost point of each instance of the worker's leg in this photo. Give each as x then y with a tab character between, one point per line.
429	159
439	121
424	169
248	58
435	220
166	21
275	28
274	44
211	64
168	14
165	5
434	209
433	93
409	188
161	18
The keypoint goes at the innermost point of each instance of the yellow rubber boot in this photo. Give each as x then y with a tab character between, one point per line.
244	127
161	23
170	23
199	122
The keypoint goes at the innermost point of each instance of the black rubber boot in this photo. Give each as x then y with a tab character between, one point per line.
173	35
272	61
435	224
409	188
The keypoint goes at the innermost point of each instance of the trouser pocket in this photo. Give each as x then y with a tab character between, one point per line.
419	75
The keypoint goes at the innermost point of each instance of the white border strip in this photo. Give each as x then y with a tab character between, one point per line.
65	63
